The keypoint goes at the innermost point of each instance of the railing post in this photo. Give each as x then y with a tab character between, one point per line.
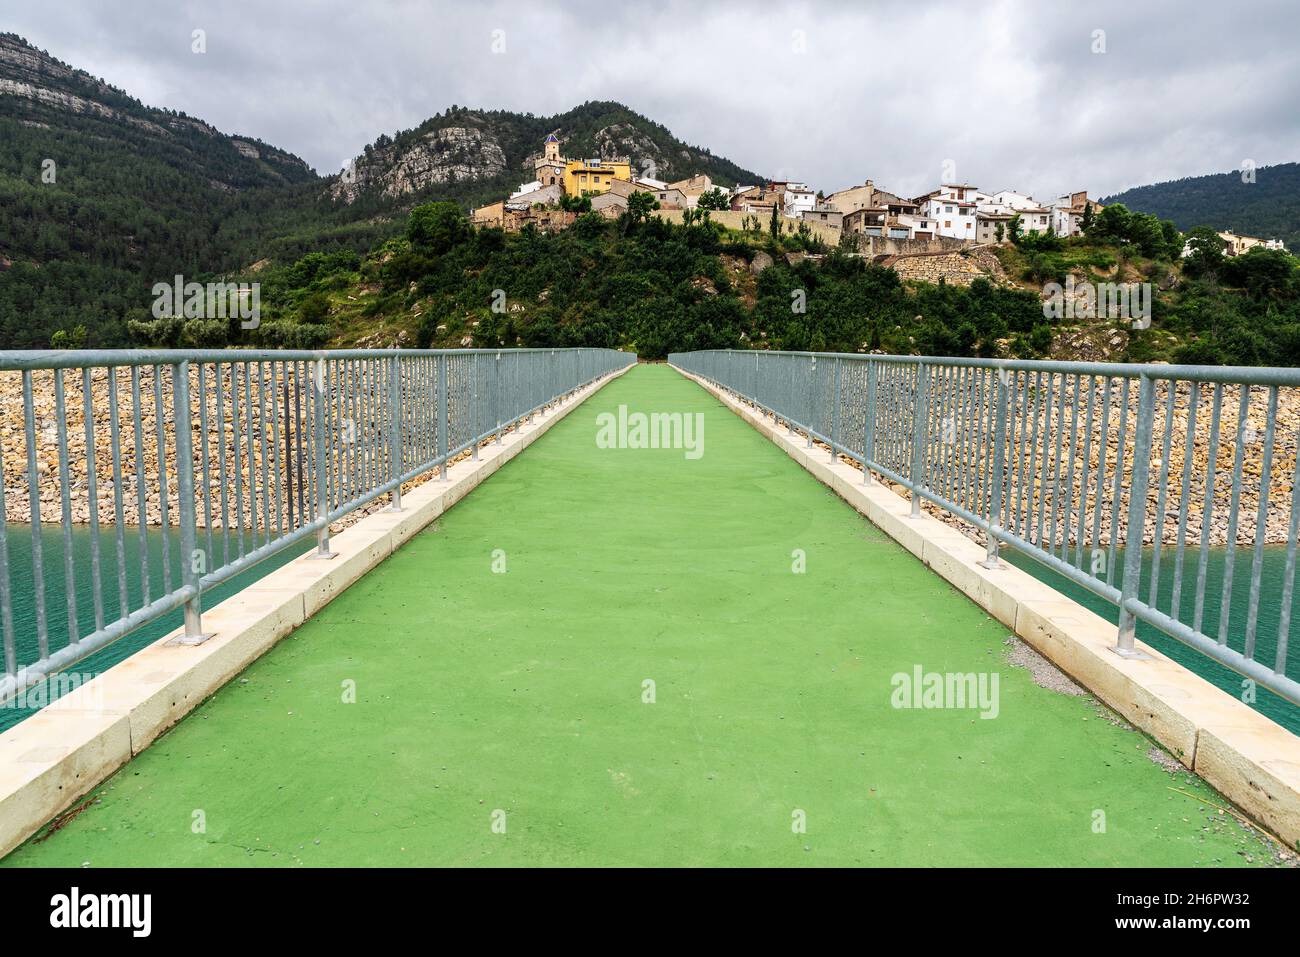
182	416
496	399
475	416
1136	525
869	442
322	463
835	412
395	416
997	478
919	414
444	417
549	379
812	378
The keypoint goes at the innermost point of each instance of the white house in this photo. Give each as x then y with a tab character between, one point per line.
797	199
1010	199
1068	212
1035	219
963	192
917	226
952	217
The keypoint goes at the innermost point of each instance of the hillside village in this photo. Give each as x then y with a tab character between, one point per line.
950	218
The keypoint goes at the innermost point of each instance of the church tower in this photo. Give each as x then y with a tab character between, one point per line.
549	169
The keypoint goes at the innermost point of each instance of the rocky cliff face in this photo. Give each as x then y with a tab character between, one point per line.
438	157
42	92
476	155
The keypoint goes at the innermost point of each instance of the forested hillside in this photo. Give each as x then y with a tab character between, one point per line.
101	196
1267	207
478	156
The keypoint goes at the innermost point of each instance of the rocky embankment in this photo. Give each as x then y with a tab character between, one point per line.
273	457
1033	492
273	451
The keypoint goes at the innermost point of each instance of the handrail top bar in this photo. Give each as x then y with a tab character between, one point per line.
1231	375
20	359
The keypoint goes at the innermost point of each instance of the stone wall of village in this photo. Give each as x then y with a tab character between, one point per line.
954	268
737	220
891	246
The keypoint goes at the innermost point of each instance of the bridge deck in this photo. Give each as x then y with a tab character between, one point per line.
478	691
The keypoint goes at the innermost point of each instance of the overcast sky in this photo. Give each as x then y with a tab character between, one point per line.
1010	93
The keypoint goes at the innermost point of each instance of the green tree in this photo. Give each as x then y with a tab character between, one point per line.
640	205
74	338
437	227
315	309
714	199
576	204
1204	252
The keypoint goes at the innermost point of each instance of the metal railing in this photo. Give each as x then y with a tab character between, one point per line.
234	455
1070	463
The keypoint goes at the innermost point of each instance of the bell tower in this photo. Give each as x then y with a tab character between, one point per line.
549	169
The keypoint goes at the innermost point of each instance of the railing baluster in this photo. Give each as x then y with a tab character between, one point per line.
918	423
998	478
65	499
1137	508
183	417
395	440
92	497
321	458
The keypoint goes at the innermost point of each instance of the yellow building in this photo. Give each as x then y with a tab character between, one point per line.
593	176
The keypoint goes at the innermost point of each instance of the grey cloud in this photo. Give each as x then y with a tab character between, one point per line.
1011	92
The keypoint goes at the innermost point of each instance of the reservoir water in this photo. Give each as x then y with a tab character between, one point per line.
56	610
1270	610
56	605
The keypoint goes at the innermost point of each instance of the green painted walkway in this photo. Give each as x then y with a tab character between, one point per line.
522	692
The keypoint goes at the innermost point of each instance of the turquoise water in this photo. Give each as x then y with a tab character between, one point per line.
56	608
20	567
1270	609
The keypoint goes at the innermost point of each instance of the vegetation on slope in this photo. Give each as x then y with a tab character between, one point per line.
1206	308
101	196
1264	204
641	284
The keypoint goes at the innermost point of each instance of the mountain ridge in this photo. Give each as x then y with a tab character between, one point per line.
1265	205
101	196
439	153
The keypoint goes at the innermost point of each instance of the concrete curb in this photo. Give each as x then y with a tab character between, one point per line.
60	753
1250	759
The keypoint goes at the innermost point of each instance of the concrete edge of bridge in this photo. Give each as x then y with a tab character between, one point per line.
1247	757
56	757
